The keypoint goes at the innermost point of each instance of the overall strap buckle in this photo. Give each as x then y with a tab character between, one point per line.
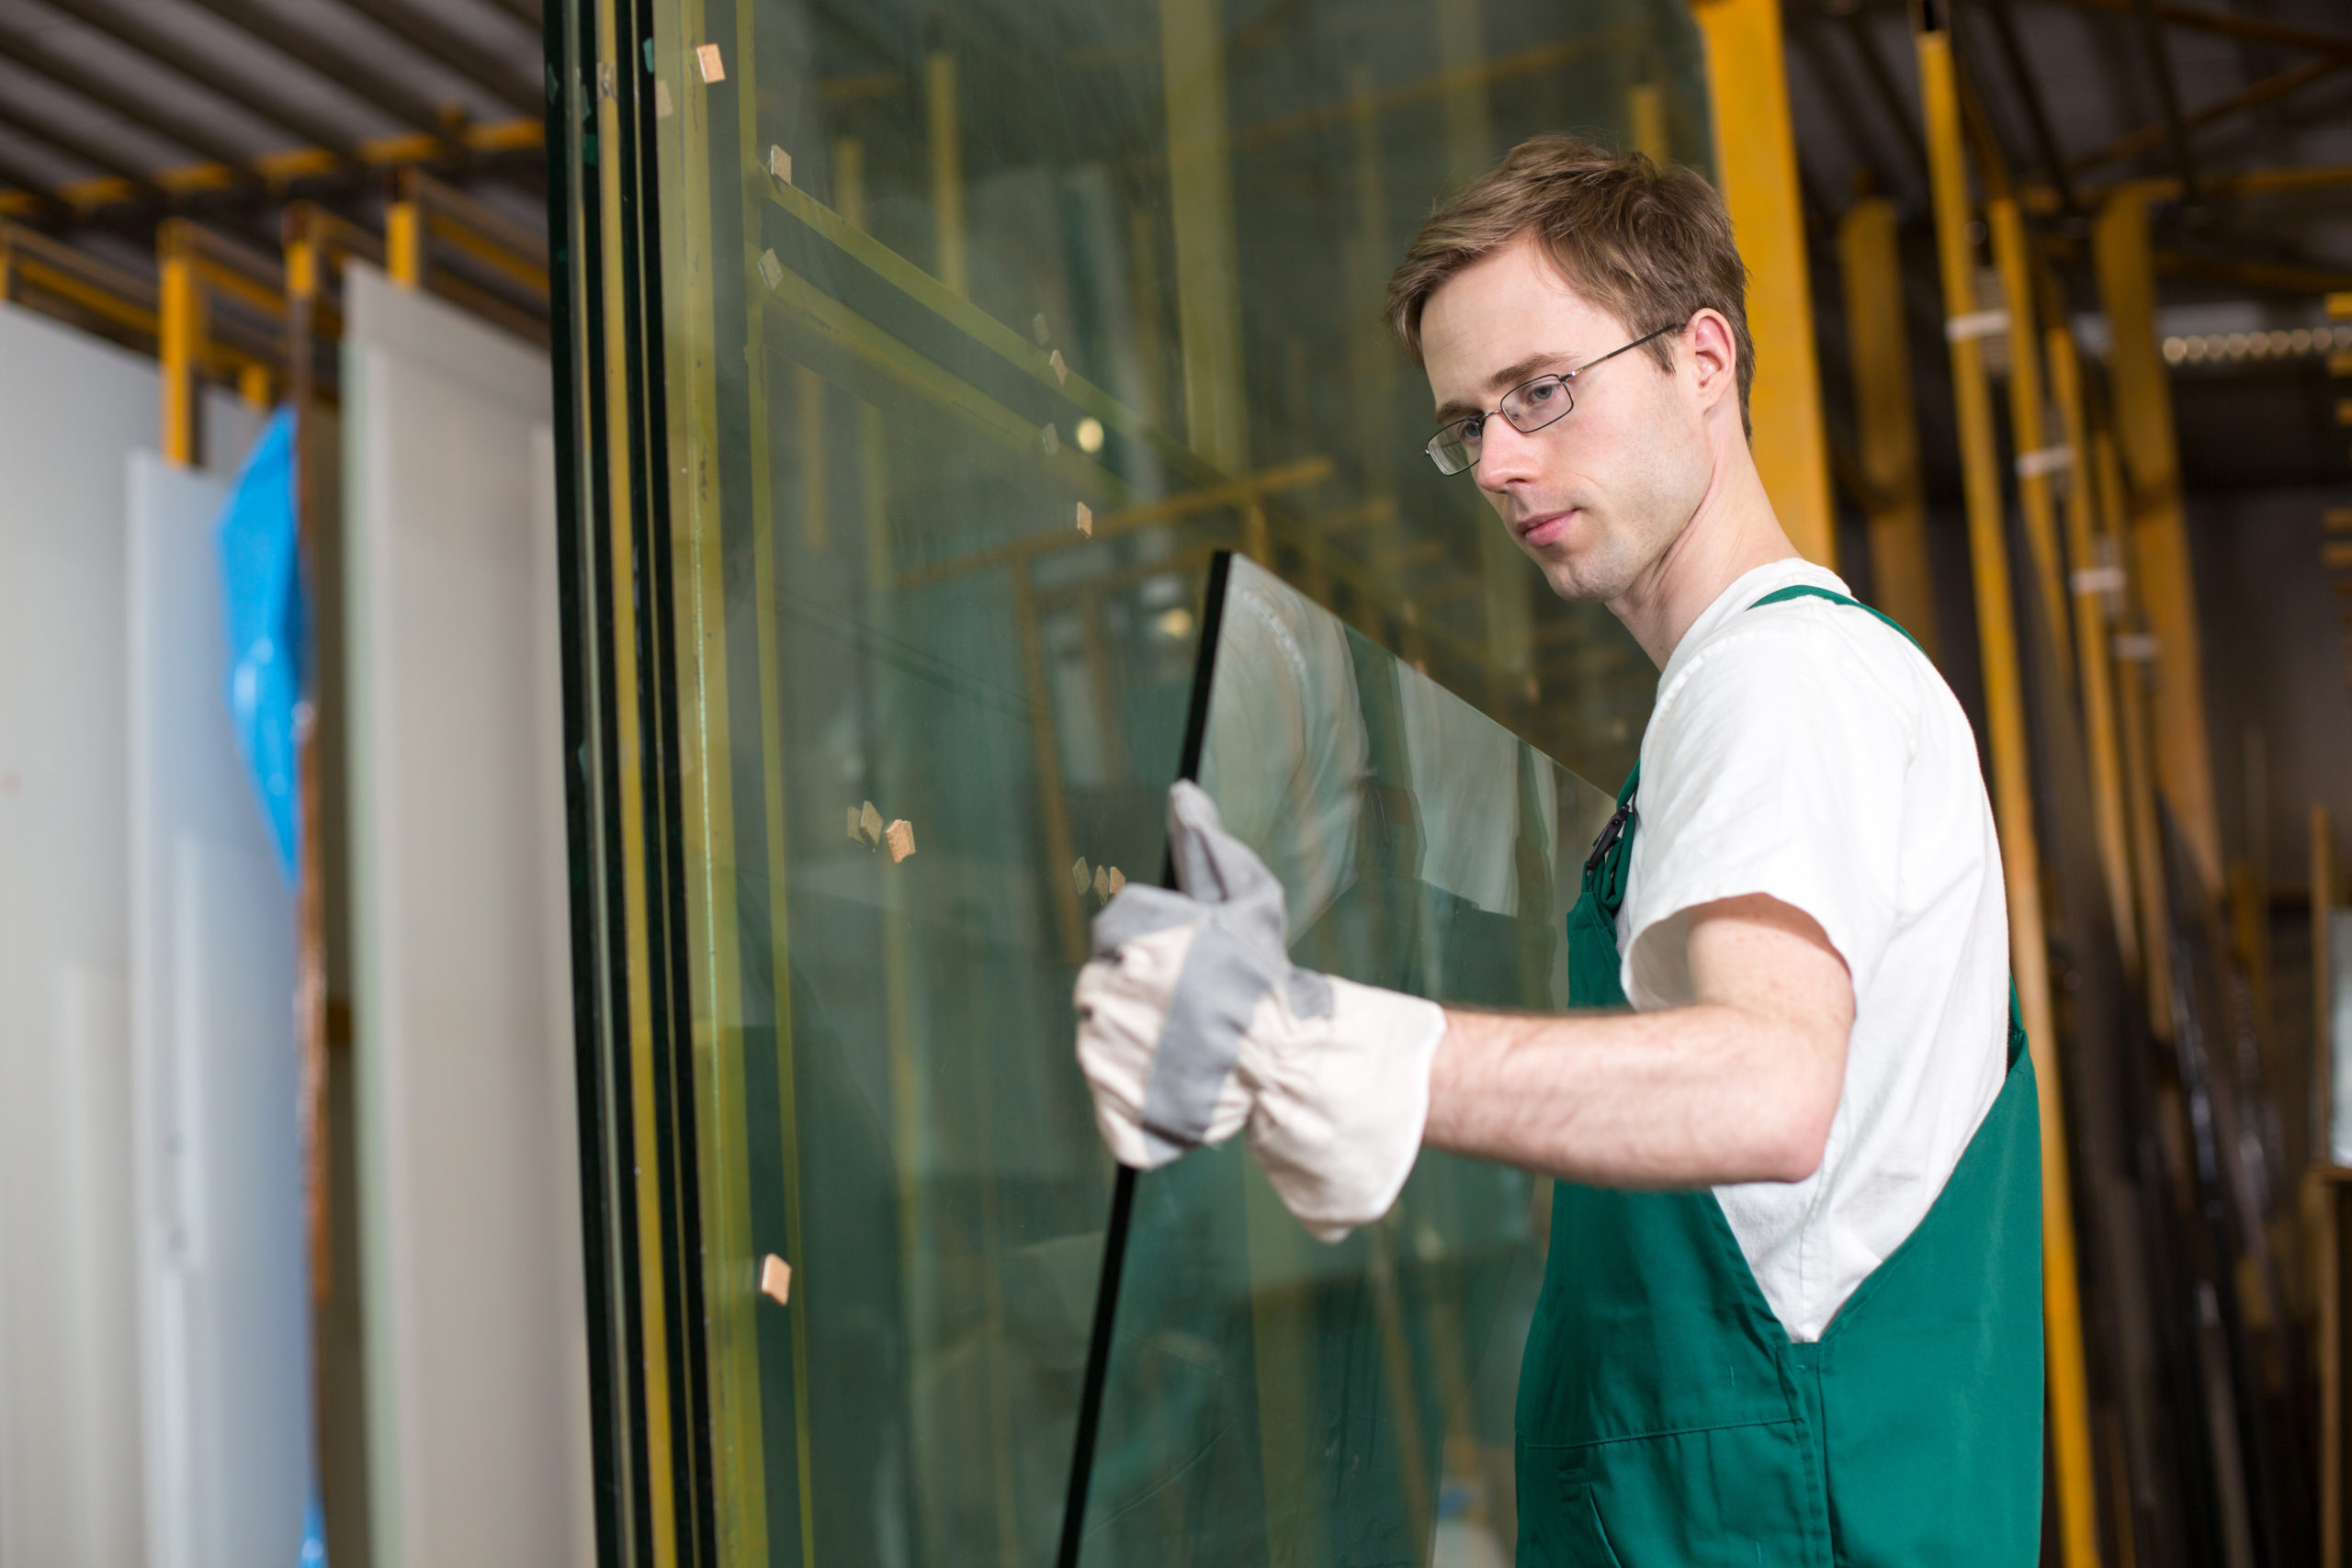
1608	837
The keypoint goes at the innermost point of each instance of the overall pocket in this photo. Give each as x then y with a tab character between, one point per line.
1740	1497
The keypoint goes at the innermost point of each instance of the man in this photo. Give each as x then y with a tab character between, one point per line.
1792	1312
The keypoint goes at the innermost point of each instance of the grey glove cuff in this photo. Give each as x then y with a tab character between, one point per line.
1236	957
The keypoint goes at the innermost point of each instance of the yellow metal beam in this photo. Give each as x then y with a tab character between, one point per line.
179	344
2037	458
1508	584
1886	422
2096	584
2068	1386
1756	166
946	168
1200	189
282	168
2324	1198
2140	826
2043	200
2157	530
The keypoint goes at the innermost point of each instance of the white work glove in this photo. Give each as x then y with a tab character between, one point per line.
1192	1023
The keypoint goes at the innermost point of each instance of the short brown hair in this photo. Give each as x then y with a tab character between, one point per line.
1651	245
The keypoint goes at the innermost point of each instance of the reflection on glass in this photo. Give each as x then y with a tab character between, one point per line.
968	336
1270	1399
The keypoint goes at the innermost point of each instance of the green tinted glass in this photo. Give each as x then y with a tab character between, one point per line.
1269	1399
918	360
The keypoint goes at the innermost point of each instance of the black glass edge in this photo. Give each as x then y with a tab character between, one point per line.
1123	1190
668	936
584	637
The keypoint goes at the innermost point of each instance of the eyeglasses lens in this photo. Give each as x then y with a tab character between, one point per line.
1450	451
1537	404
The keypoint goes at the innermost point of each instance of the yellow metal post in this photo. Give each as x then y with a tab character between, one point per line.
2036	459
404	243
2097	583
1756	166
2135	739
1886	423
946	167
2322	876
180	335
2069	1389
1507	583
1200	190
1646	121
2157	530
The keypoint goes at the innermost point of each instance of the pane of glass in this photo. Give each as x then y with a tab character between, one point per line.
971	337
1269	1398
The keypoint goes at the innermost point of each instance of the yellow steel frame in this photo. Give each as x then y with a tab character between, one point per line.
53	277
2069	1391
1887	425
2090	547
2157	529
426	220
281	168
199	268
1756	165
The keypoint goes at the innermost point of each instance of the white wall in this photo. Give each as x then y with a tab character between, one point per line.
219	1196
476	1321
72	409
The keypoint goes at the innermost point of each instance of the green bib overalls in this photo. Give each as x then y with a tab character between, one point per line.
1666	1419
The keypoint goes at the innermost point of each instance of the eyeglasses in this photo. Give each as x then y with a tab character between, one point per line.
1530	406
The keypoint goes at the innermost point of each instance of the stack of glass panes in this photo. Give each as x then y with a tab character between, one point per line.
915	365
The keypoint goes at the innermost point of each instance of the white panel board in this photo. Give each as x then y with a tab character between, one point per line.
225	1329
477	1379
72	410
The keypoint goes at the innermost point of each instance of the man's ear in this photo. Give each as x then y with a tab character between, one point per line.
1714	357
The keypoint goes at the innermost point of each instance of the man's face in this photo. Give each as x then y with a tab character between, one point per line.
1594	498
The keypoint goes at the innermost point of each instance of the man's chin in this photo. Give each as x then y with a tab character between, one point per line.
1578	577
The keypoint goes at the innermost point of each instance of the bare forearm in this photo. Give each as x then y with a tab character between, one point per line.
1691	1097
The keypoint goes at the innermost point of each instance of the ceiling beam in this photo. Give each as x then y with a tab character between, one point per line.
2270	277
1881	77
2160	72
433	37
42	202
36	56
81	149
2132	143
2253	29
2040	199
2037	113
1812	41
411	109
141	37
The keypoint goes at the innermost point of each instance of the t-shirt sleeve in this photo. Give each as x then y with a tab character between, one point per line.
1774	764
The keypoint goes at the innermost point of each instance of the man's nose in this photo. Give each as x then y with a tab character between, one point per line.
1504	454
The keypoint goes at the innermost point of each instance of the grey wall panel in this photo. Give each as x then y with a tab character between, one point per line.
476	1378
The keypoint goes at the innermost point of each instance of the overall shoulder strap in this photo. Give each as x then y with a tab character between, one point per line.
1807	591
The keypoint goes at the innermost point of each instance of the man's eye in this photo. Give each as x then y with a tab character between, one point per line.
1468	431
1542	392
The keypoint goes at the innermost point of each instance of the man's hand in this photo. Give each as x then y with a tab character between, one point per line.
1192	1023
1740	1086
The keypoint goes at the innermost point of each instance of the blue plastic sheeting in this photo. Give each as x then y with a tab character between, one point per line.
268	619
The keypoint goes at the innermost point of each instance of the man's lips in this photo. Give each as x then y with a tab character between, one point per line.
1543	529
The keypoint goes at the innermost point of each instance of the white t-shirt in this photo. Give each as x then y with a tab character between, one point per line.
1809	751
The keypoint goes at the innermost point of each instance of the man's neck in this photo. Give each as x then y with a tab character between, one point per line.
1732	532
